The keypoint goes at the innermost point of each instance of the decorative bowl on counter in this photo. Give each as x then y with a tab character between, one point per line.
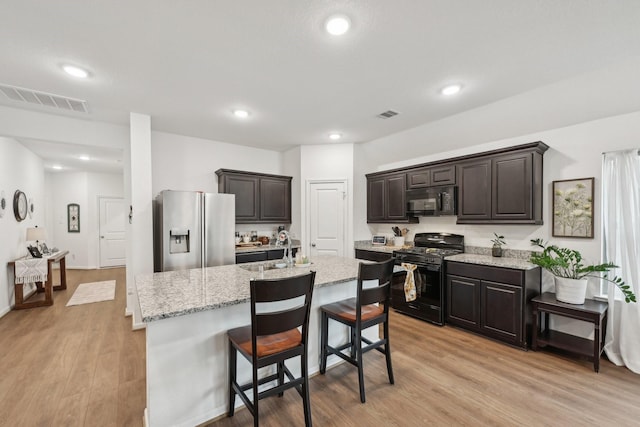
303	265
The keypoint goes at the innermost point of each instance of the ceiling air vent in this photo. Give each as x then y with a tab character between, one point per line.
388	114
44	99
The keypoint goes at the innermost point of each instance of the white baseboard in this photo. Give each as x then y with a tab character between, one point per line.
5	311
127	312
138	326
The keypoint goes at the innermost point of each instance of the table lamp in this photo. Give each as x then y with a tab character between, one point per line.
35	233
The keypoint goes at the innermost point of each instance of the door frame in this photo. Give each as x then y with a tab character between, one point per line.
307	224
99	230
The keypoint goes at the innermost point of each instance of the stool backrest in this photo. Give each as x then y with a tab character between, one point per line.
282	319
383	273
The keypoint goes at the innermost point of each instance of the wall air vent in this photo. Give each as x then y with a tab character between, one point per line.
44	99
388	114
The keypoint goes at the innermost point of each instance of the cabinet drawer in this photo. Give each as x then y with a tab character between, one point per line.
251	257
372	255
486	272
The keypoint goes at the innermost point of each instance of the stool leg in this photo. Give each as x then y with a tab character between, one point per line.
323	342
280	377
232	379
305	389
256	423
387	351
358	355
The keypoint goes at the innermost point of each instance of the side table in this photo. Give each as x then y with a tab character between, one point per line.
46	287
591	311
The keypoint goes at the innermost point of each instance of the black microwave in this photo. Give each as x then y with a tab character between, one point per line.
432	201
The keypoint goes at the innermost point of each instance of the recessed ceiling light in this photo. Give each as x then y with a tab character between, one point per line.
85	158
242	114
74	71
337	25
56	167
451	89
335	136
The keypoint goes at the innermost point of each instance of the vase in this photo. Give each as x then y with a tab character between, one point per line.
571	291
496	251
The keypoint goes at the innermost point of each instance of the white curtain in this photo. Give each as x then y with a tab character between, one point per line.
621	245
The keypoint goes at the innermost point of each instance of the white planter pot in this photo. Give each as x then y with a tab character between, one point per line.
572	291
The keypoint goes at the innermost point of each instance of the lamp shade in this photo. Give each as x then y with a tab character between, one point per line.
35	233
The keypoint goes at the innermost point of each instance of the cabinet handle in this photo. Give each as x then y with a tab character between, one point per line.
313	245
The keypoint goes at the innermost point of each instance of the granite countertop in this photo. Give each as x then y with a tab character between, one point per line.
368	246
244	249
177	293
515	263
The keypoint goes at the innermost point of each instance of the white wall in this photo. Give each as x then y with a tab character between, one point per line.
325	162
186	163
20	169
83	188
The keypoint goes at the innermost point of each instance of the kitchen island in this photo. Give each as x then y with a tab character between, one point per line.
187	314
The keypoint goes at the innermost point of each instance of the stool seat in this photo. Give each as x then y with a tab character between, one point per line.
266	344
346	310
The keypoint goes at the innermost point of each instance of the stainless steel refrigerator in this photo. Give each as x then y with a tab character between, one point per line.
193	230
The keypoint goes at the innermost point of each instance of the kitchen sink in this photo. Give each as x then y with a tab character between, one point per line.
265	266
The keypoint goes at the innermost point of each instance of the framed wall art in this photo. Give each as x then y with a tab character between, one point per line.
73	218
573	208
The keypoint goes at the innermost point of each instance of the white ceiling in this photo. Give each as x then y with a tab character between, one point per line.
188	64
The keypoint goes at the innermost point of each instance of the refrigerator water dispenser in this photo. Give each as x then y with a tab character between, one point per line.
178	240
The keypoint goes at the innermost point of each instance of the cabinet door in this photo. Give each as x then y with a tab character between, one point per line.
501	311
443	175
251	257
396	208
463	301
512	187
246	190
275	200
372	255
375	199
474	194
419	178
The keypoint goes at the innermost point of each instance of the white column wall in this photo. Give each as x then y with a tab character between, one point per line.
140	227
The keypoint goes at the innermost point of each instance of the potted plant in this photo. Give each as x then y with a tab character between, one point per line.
496	250
571	275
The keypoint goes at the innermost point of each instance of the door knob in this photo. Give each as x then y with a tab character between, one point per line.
313	245
102	237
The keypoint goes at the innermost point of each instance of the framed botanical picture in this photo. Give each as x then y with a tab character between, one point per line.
573	208
73	218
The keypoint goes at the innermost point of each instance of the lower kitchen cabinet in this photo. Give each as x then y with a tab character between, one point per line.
251	257
492	301
372	255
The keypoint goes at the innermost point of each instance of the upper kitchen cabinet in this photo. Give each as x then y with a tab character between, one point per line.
260	198
431	176
386	201
502	187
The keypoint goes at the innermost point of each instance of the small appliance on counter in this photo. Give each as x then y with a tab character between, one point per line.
379	240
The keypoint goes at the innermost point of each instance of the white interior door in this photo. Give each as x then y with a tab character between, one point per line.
112	224
327	218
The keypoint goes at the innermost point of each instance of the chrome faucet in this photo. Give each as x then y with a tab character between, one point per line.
282	235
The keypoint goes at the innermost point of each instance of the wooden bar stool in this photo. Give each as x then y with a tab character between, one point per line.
370	307
273	337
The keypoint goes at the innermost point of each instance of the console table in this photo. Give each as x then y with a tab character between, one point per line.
46	287
591	311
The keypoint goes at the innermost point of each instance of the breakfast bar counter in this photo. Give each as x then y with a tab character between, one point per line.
187	314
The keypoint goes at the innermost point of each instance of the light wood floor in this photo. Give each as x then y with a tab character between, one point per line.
83	365
73	366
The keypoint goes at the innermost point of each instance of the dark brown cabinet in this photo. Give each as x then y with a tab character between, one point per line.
431	176
260	198
386	201
372	255
492	301
503	188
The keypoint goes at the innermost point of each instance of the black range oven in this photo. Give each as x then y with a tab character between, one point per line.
428	256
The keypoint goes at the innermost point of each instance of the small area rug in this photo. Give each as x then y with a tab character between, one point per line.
93	292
